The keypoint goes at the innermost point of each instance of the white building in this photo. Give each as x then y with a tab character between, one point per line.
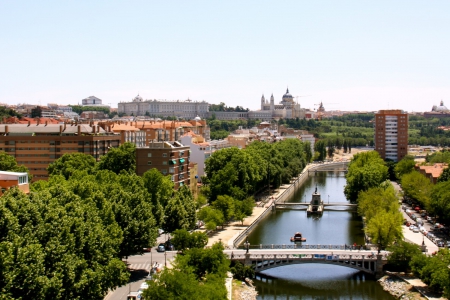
187	109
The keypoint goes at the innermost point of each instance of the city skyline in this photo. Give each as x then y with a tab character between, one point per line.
348	55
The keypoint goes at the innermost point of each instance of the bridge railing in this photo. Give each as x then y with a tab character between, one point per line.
304	246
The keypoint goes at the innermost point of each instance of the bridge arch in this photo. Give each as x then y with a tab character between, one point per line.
365	262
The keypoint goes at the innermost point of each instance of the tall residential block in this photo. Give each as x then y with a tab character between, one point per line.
391	134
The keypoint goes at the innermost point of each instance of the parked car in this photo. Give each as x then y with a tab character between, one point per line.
440	243
415	229
161	248
436	226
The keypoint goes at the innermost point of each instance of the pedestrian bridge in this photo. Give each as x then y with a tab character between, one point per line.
281	255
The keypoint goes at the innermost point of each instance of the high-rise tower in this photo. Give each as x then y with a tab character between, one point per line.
391	134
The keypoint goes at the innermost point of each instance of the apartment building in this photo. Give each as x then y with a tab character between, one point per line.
391	134
38	145
170	158
10	180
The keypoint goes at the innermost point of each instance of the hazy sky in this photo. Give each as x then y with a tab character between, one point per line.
352	55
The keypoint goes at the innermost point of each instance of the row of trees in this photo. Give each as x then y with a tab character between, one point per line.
240	173
65	240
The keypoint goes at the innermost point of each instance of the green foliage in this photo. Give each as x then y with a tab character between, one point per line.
118	159
160	189
377	199
440	201
416	186
79	108
241	173
211	216
69	163
8	163
198	274
439	157
433	270
384	228
240	271
366	170
445	176
183	239
7	112
180	211
321	149
57	246
401	254
405	166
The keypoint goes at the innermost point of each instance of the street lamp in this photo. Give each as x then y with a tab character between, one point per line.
165	258
247	244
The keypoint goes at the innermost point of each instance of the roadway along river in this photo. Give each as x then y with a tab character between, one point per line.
315	281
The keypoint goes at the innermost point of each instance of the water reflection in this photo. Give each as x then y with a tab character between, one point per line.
316	281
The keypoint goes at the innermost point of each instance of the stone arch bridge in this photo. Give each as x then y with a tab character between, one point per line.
367	261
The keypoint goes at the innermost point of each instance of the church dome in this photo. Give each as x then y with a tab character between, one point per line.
287	95
197	118
138	99
440	108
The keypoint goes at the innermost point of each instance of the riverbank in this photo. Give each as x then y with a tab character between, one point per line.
403	286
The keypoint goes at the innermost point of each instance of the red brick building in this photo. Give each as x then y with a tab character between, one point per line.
391	134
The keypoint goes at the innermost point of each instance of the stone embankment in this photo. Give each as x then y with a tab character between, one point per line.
244	291
398	288
403	286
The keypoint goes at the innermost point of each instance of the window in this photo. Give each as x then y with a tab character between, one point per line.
149	155
149	162
164	171
164	162
164	154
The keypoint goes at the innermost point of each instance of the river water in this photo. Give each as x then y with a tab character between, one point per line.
335	227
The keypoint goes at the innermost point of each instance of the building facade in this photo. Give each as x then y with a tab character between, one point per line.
391	134
38	145
10	180
170	158
187	109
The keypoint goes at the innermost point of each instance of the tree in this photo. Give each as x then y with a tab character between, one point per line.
183	239
405	166
67	164
9	163
175	216
321	150
225	204
401	254
211	216
384	228
160	190
440	201
445	176
36	112
433	270
416	186
118	159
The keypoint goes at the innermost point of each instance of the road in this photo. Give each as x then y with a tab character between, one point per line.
416	237
139	266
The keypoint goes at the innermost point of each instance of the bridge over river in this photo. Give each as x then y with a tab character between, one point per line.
280	255
326	206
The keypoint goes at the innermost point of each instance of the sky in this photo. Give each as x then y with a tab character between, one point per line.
350	55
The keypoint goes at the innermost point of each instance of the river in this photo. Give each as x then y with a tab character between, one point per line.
315	281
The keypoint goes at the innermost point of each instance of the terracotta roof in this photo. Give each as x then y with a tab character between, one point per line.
435	170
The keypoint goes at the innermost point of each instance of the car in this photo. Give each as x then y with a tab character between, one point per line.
440	243
415	229
161	248
436	226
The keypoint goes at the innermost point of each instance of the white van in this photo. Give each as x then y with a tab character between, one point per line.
419	221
